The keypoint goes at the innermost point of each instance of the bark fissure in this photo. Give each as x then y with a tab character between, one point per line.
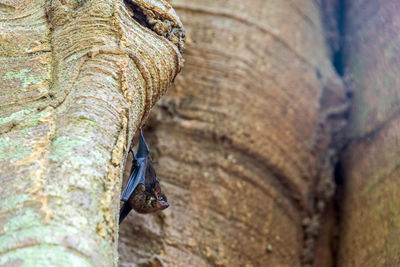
335	104
160	25
337	54
337	203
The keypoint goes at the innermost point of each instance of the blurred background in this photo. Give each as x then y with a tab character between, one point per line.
278	144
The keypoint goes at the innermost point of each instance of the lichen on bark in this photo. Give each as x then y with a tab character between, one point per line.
80	77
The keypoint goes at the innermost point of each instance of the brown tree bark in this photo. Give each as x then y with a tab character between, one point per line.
243	142
370	215
76	80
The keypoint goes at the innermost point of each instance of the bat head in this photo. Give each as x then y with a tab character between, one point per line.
158	200
161	201
149	201
155	199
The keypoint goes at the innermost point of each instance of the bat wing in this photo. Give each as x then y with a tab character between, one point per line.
126	208
143	149
137	177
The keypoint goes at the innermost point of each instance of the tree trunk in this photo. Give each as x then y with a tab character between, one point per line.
77	79
370	165
243	143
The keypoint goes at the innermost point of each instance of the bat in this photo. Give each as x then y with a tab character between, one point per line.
142	192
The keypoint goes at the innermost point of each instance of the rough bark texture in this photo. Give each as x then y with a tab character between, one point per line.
370	165
76	79
243	142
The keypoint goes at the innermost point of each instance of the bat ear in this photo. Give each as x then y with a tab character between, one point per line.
157	189
143	149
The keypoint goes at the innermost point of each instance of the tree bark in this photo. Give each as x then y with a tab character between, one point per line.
370	163
77	79
243	142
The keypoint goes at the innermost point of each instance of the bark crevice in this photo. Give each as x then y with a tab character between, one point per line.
162	26
337	53
320	225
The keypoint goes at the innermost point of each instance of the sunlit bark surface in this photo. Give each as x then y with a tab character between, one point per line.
76	79
241	141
